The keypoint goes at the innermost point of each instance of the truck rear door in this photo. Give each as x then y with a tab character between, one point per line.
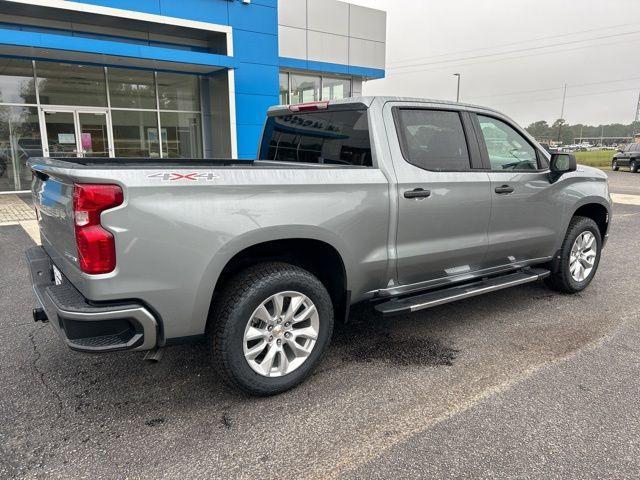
444	199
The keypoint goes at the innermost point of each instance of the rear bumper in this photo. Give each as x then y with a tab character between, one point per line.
84	326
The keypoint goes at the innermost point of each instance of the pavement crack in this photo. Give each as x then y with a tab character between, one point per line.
41	374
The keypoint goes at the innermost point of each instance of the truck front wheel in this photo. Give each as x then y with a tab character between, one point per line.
270	328
579	256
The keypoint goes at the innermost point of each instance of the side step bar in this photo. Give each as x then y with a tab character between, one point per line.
422	301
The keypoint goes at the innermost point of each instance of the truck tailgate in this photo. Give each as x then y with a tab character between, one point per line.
53	200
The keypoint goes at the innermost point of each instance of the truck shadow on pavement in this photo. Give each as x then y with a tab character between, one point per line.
185	372
367	338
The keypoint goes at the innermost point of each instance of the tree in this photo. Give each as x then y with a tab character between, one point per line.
539	129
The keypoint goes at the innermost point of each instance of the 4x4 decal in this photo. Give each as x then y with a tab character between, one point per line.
195	176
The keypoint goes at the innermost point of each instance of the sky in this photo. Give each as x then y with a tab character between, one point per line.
517	55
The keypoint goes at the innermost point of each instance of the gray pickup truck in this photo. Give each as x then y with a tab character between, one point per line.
405	203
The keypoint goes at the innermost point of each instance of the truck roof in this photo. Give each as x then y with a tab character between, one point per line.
368	101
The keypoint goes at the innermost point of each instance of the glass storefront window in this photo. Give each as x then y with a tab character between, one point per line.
131	88
19	141
335	88
71	84
304	88
135	134
181	135
178	91
16	81
124	123
284	88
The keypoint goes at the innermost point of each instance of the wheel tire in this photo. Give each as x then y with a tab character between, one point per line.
633	166
561	279
236	305
614	166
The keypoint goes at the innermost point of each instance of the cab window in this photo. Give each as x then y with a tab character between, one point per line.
432	139
330	137
507	149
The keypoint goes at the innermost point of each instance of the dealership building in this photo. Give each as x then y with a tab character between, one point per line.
176	79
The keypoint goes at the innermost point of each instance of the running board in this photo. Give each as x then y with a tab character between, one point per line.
418	302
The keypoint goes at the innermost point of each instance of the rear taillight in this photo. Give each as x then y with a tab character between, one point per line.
96	246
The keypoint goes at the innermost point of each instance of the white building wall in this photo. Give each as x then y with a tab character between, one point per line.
332	31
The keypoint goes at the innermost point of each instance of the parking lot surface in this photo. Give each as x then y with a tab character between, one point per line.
523	382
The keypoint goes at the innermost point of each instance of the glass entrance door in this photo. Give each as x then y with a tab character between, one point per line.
77	133
61	134
94	134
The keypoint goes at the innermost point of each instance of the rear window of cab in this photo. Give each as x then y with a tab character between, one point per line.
328	137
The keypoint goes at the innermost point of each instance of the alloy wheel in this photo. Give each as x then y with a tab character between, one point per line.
583	256
281	334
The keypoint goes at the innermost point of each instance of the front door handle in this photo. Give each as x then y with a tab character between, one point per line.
417	193
504	189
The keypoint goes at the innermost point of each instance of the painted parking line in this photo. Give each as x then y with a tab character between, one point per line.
625	199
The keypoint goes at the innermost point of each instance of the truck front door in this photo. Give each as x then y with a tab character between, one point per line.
525	211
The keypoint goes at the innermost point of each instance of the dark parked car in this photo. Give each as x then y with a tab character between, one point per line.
629	157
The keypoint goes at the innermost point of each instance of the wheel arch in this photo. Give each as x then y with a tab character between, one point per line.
317	256
598	213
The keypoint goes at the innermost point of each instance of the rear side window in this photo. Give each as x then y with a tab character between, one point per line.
336	138
433	139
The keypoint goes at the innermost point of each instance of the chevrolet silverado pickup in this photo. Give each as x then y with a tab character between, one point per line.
404	203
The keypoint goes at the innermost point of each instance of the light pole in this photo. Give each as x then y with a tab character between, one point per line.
458	91
564	97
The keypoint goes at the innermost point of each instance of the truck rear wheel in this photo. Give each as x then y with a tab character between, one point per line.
270	327
579	256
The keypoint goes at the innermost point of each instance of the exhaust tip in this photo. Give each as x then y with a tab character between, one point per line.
39	315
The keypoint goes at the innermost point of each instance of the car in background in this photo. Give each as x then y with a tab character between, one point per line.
629	157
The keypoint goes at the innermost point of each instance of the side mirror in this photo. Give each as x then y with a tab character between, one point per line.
562	163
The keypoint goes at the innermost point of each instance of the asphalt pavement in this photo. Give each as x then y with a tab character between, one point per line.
521	383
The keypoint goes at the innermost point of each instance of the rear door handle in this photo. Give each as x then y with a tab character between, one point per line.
504	189
417	193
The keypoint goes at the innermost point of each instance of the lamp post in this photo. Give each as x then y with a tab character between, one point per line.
458	91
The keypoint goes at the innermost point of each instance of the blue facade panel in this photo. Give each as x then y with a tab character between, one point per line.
108	49
256	79
298	64
253	18
255	47
147	6
248	143
253	107
215	11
